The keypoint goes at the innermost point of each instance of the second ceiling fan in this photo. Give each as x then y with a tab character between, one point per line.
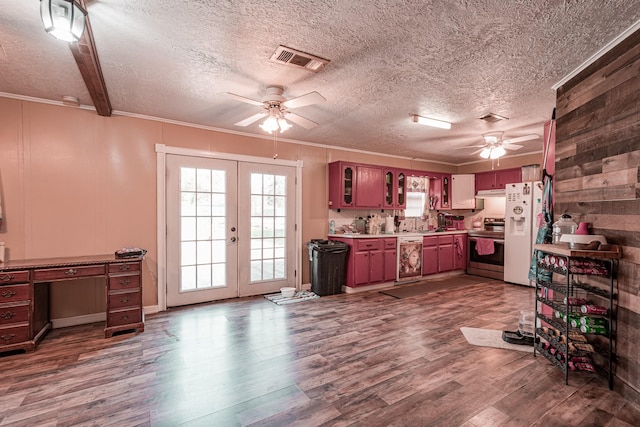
277	109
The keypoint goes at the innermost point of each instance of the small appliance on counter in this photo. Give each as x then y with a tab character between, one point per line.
458	222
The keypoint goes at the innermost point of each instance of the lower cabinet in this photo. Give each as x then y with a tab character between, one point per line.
390	259
443	253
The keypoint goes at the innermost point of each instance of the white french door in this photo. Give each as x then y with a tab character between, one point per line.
230	228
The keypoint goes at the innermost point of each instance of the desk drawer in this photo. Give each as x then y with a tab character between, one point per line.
124	299
15	314
124	317
14	277
124	267
14	335
65	273
124	282
14	293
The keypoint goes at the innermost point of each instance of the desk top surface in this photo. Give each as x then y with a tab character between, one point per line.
25	264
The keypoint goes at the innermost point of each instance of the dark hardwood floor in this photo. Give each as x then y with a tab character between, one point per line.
364	359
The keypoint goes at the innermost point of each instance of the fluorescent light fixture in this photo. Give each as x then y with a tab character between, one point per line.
63	19
430	122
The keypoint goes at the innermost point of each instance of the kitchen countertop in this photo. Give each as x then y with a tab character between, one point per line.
403	234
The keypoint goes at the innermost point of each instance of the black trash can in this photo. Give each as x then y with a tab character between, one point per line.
327	265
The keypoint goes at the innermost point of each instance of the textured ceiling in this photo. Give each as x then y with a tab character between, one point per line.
451	60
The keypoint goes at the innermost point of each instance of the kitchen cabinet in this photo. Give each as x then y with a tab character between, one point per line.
460	252
440	188
493	180
463	191
390	259
366	260
342	178
578	337
395	187
429	255
354	185
441	253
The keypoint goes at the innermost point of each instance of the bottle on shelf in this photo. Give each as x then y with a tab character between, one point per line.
564	225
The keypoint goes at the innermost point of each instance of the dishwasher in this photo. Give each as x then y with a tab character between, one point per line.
409	259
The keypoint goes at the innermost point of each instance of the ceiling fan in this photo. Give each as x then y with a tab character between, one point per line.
494	146
277	109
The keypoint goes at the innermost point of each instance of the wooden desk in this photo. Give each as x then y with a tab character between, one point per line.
24	295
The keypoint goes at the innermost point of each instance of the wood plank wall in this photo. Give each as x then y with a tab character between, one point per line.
598	179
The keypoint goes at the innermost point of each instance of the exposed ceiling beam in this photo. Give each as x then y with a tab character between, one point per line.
86	57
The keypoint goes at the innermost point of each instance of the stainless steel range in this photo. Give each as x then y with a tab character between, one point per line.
486	250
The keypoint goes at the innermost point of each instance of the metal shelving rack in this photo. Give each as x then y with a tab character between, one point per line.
564	340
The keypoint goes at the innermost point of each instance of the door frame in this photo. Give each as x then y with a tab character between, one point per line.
161	155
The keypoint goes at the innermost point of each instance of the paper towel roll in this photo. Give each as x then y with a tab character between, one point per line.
389	227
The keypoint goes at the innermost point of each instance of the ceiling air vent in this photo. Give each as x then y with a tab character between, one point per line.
295	58
492	118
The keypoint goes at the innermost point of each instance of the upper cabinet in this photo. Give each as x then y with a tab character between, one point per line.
493	180
342	179
395	187
463	191
369	186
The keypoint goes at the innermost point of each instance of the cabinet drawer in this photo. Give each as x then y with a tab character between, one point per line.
430	241
367	244
15	314
124	267
14	293
124	299
124	282
14	335
68	273
390	243
124	317
445	239
14	277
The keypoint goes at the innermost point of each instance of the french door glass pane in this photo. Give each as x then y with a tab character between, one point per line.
268	227
203	225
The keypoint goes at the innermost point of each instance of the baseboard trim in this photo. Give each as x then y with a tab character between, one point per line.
65	322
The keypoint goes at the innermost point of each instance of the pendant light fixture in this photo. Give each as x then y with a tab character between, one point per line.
63	19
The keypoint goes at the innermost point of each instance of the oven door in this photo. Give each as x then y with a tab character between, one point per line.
488	265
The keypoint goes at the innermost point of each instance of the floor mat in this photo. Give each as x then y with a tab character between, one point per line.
491	338
427	286
297	297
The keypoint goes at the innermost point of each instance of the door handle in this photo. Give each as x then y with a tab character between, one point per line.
233	240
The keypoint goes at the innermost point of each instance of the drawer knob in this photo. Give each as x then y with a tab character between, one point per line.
7	315
125	317
125	281
124	299
71	272
124	267
8	337
8	294
6	277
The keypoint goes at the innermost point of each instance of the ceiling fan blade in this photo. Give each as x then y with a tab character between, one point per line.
520	139
247	100
306	99
249	120
299	120
512	146
477	151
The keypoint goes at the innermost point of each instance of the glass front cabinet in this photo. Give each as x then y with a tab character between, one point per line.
342	183
395	186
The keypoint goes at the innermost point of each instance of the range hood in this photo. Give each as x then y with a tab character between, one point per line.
498	192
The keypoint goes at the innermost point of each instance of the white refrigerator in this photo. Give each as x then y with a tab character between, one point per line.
523	206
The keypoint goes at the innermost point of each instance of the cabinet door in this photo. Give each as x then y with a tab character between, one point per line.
376	266
485	181
508	176
390	191
390	261
342	178
369	188
361	268
429	260
463	191
460	252
401	190
445	192
445	257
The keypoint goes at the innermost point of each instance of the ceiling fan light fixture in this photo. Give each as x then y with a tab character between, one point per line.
497	152
63	19
284	125
270	124
485	153
430	122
